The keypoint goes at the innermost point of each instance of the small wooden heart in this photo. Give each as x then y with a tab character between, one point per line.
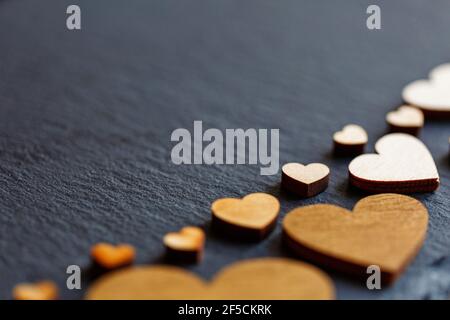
405	119
351	140
110	257
186	245
432	95
306	181
43	290
255	279
386	230
403	165
251	217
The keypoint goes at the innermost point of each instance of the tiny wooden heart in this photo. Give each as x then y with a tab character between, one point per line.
251	217
306	181
255	279
403	165
43	290
386	230
351	140
351	134
432	95
405	119
109	256
185	245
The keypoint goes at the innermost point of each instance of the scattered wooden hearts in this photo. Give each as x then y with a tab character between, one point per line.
386	230
351	140
432	95
110	257
405	119
305	181
255	279
252	217
403	165
185	246
43	290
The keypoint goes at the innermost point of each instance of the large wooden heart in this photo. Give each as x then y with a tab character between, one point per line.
255	279
403	165
386	230
431	95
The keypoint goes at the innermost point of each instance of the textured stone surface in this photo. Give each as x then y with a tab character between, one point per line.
86	117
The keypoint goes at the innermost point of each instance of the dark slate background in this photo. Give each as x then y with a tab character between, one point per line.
86	118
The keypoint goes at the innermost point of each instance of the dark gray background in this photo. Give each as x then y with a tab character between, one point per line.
86	118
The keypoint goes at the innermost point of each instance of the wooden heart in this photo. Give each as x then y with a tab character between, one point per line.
43	290
351	140
405	119
185	245
432	95
109	256
251	217
255	279
386	230
306	181
403	165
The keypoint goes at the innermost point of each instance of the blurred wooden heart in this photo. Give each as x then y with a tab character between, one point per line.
305	181
386	230
188	238
403	165
43	290
109	256
251	217
185	245
255	279
432	95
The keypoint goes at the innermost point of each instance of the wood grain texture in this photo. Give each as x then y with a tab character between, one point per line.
86	118
386	230
251	217
254	279
403	165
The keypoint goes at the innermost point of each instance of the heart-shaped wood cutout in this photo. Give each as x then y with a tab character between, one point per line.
43	290
403	165
305	181
351	140
110	257
386	230
432	95
255	279
405	119
186	245
251	217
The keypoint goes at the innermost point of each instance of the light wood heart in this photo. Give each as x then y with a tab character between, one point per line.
255	279
432	95
403	165
306	181
405	119
351	140
386	230
441	73
186	245
251	217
